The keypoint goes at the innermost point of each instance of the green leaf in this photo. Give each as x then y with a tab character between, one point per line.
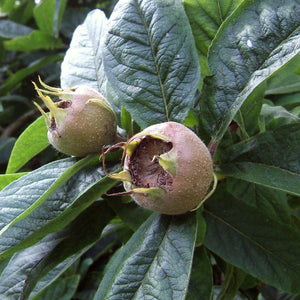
206	17
248	115
155	263
272	203
234	277
28	210
17	77
130	213
275	116
263	174
6	179
201	282
62	289
10	30
258	39
151	61
270	158
36	40
48	15
54	253
286	80
32	141
248	239
82	63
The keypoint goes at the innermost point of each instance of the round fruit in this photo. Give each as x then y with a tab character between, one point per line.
167	168
81	122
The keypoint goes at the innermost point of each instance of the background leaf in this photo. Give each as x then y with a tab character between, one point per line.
61	248
272	203
16	78
155	263
62	289
32	141
82	63
247	238
48	15
270	158
22	227
201	281
9	29
35	40
251	45
151	61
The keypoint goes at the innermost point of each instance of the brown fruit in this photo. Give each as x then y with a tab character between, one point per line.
167	168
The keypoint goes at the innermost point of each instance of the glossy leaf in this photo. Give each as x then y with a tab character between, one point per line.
248	239
155	263
272	203
264	174
206	17
258	39
61	248
82	63
32	141
44	201
150	60
270	158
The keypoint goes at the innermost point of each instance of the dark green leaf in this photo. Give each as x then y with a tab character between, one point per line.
16	78
73	17
201	282
248	115
54	253
29	211
83	61
285	80
32	141
270	158
272	203
10	30
62	289
276	116
248	239
206	17
130	213
155	263
37	39
258	39
6	146
263	174
234	277
151	61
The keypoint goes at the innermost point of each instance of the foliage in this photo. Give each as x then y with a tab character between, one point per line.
229	70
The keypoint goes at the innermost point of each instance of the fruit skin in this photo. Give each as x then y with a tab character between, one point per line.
81	123
190	162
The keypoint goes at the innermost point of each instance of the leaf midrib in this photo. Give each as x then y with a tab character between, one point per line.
155	61
294	268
